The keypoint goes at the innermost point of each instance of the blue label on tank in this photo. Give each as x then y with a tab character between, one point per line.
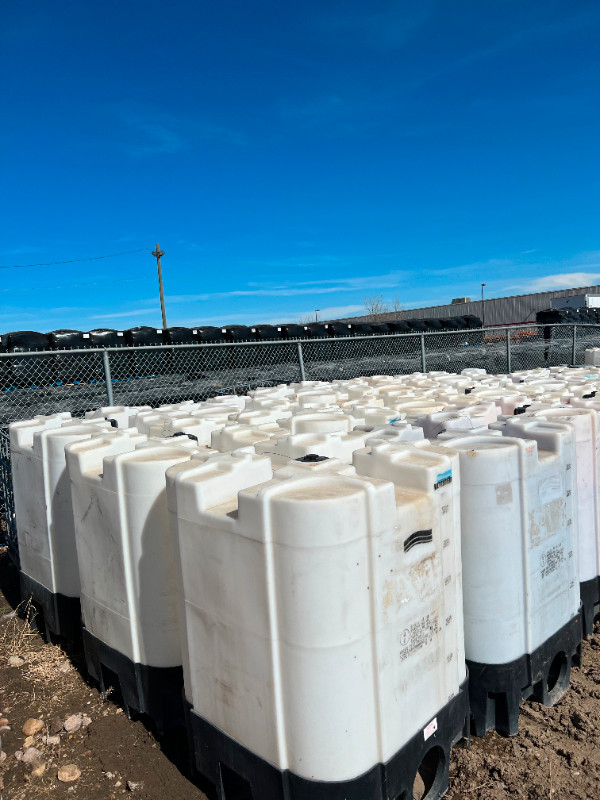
396	419
443	478
591	376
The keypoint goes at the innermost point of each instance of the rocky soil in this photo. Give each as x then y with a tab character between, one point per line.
60	738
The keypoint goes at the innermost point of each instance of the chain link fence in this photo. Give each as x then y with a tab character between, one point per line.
81	380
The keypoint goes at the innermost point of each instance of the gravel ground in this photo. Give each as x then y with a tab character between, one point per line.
555	755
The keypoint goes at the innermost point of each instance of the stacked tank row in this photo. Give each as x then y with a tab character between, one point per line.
61	368
320	566
21	341
569	316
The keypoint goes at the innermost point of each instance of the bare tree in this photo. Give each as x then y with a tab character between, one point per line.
375	307
306	319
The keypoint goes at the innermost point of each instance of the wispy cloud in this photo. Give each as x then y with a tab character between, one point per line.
130	312
560	280
151	132
330	312
303	288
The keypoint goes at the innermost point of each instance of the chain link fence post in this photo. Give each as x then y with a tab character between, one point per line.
574	347
107	378
423	358
508	353
301	361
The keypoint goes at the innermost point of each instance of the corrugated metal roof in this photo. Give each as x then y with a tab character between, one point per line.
498	310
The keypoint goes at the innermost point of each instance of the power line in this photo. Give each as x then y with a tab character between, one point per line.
70	285
76	260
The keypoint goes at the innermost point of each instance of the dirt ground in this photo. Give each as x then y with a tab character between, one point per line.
555	755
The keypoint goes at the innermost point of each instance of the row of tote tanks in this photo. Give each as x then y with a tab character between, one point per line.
332	579
60	367
18	341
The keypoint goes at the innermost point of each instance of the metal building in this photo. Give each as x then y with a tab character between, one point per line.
495	311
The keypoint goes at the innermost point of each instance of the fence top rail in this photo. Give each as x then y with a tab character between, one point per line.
282	342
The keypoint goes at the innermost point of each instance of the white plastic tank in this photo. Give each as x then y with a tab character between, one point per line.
314	421
44	515
520	574
472	417
586	427
234	436
592	356
129	606
169	425
316	608
397	431
338	445
124	416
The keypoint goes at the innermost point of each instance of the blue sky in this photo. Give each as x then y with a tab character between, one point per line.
291	156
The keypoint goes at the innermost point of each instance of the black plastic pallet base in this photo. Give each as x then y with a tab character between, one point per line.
155	691
496	690
239	774
590	602
57	616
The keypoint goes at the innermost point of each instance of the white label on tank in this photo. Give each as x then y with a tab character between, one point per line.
86	336
430	729
119	333
443	478
420	634
552	560
194	331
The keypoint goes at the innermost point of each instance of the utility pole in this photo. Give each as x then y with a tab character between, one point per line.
157	254
317	314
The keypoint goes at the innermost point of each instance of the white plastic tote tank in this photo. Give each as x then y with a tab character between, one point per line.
313	421
520	576
234	436
586	427
123	416
316	605
46	538
592	356
397	431
467	418
129	606
342	446
163	425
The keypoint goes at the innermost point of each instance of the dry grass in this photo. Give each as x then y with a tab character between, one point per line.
15	637
43	663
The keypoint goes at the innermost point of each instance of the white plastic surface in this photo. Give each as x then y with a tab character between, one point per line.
585	424
592	356
331	445
306	622
121	522
124	416
42	495
519	546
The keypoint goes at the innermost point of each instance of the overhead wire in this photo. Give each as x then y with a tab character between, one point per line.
69	285
76	260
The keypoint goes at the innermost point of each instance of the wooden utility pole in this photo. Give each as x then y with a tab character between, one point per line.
157	254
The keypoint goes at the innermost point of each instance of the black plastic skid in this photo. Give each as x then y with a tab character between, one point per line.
590	602
57	616
239	774
155	691
496	690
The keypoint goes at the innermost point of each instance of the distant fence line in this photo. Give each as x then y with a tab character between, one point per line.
46	382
